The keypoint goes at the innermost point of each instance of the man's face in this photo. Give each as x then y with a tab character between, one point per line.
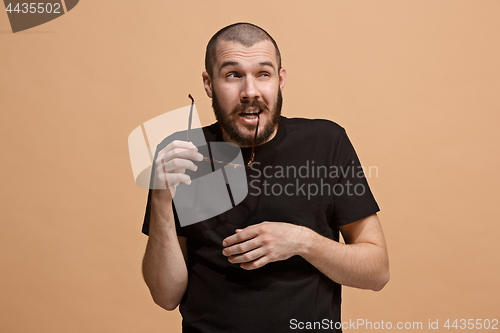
246	81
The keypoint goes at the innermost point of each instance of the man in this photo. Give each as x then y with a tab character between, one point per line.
274	262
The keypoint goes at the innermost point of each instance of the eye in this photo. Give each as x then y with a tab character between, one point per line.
232	74
264	74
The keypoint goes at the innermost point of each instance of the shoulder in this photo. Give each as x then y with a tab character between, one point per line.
321	127
212	132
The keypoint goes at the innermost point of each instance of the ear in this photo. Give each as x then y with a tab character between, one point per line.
282	78
207	83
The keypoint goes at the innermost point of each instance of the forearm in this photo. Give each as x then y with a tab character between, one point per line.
360	265
164	268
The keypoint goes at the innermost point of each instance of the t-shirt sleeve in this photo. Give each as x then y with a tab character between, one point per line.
147	214
353	199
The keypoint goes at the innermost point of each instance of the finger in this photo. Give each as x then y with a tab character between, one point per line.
177	178
176	147
178	164
247	257
258	225
182	153
171	179
253	226
175	159
240	237
180	144
264	260
240	248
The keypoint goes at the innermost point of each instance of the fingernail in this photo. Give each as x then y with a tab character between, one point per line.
224	252
200	156
224	243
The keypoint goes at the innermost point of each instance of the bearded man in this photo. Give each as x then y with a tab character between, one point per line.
272	263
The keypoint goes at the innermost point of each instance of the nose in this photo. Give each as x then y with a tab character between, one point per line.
250	90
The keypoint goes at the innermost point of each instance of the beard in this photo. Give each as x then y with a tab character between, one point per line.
232	130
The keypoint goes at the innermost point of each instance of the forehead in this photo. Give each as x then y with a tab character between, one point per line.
263	51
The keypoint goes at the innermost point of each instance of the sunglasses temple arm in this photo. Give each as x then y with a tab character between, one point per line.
190	116
254	140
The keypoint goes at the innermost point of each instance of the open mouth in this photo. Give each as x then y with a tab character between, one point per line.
250	114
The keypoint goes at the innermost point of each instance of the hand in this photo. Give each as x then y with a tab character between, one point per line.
260	244
171	164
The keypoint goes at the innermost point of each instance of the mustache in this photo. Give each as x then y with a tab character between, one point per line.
254	104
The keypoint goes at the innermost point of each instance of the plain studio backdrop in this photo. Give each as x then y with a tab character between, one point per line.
415	83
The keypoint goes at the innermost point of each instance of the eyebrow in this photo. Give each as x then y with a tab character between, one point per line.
228	63
235	63
266	63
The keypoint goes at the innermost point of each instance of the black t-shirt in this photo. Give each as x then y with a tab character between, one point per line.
308	175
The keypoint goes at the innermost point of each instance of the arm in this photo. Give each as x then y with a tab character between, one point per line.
362	262
164	267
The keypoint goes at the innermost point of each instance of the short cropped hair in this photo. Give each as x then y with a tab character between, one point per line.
246	34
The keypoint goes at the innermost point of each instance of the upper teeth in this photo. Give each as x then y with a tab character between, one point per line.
252	111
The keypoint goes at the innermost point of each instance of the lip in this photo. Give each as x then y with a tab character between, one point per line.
251	109
247	121
252	121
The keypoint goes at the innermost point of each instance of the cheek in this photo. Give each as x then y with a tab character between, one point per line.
228	95
270	97
270	90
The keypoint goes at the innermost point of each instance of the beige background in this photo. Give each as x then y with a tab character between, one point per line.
415	83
